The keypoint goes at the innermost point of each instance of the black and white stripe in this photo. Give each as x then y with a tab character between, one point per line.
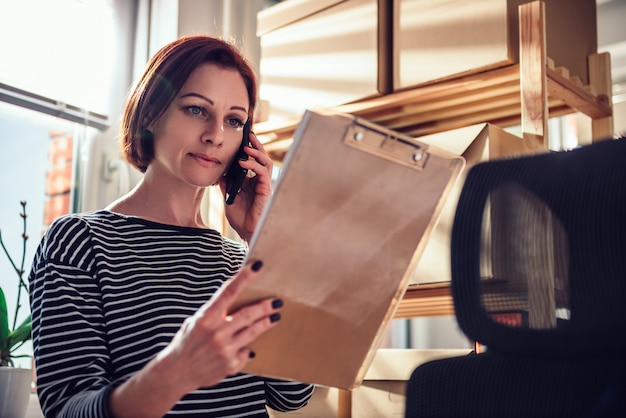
108	292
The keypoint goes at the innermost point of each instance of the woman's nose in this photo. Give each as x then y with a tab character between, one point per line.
214	133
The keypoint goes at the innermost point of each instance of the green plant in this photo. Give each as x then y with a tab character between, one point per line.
14	337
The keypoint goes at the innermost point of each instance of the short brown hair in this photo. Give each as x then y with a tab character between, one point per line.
161	81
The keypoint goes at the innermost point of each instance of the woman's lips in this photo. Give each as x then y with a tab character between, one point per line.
205	160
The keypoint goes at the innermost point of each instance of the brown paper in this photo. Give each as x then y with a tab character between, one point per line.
346	224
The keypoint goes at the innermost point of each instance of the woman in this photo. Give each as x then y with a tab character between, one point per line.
131	304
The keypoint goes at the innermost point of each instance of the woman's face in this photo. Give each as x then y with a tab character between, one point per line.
199	133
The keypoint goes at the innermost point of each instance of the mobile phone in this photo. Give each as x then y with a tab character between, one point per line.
236	174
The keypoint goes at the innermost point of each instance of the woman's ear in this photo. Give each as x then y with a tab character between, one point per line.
150	127
149	122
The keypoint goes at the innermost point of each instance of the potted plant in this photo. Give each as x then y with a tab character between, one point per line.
15	383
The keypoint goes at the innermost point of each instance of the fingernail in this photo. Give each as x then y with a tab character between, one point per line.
274	317
252	354
277	303
257	265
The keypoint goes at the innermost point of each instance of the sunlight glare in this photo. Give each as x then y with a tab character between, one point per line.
60	49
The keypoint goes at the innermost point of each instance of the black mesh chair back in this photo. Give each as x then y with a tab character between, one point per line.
538	255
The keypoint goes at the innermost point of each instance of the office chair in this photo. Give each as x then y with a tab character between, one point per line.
538	253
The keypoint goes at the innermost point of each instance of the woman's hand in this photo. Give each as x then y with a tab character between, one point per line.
210	345
245	212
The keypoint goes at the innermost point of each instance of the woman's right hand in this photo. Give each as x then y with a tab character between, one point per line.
209	346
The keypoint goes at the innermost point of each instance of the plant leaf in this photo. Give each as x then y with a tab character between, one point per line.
4	320
21	333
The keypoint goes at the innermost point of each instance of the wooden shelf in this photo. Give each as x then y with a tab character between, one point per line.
525	94
426	300
492	96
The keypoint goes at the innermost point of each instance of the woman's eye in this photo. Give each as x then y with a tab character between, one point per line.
195	110
235	122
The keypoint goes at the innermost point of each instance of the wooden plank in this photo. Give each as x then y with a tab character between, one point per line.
468	100
442	112
273	130
577	97
600	78
534	96
433	92
426	300
462	120
344	403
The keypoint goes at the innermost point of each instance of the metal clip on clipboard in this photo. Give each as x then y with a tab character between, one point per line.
386	145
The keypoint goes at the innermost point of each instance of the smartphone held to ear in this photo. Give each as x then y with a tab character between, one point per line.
236	174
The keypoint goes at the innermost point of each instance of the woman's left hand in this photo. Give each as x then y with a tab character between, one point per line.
244	213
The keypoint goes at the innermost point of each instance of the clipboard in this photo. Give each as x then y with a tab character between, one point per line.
348	220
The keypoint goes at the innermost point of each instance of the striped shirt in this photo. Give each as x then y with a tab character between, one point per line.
108	292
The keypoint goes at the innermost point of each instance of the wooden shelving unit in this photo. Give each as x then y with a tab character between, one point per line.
493	96
525	94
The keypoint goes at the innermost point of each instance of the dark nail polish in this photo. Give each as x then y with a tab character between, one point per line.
274	317
277	303
257	265
252	354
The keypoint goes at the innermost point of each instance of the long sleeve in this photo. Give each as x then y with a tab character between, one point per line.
109	292
69	338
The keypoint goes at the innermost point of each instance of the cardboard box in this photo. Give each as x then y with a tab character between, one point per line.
382	393
480	142
321	53
438	39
